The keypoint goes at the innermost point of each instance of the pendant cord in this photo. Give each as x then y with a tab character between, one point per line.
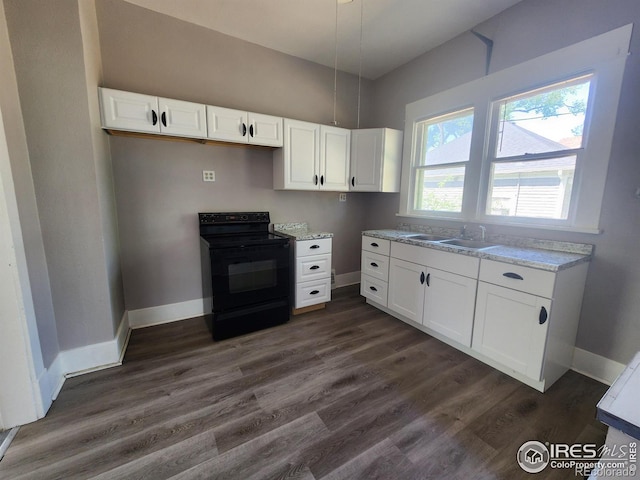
335	70
360	66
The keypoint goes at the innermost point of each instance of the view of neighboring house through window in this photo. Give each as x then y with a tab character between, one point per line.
536	140
441	154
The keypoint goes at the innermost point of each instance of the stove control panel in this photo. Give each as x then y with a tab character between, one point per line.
233	217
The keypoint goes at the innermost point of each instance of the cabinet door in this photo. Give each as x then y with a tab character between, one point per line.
182	119
129	111
511	328
335	151
226	124
265	130
301	155
449	303
366	155
406	289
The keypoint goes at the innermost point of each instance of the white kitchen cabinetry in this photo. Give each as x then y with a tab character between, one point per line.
312	272
374	277
434	288
313	157
449	304
376	157
148	114
526	319
229	125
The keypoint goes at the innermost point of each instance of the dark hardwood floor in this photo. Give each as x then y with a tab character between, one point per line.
344	393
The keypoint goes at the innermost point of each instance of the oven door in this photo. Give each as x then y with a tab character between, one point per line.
249	275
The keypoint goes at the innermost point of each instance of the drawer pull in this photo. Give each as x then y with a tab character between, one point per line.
313	247
422	278
543	315
428	278
373	289
374	244
314	267
374	264
314	292
515	276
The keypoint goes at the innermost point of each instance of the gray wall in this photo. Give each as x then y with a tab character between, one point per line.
159	187
26	199
610	322
70	183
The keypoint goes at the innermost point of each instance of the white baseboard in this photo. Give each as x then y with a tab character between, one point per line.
90	358
345	279
172	312
595	366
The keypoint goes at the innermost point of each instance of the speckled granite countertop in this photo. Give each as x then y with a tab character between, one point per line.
299	231
541	254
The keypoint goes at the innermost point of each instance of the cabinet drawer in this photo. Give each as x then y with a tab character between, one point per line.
449	262
376	245
311	293
374	289
525	279
313	267
375	265
313	247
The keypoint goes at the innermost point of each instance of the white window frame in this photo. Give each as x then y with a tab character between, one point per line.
416	166
604	56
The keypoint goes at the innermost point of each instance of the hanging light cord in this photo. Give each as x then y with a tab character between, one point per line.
335	70
360	66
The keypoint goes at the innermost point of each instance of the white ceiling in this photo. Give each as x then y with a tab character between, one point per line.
394	31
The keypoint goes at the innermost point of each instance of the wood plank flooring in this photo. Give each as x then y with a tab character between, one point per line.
343	393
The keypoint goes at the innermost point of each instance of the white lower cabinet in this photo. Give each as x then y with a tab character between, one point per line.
374	279
521	320
406	289
440	300
511	328
312	279
449	304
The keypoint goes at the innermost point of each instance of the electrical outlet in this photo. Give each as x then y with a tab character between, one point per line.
342	197
208	176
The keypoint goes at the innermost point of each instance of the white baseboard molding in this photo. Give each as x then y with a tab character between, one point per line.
595	366
90	358
172	312
345	279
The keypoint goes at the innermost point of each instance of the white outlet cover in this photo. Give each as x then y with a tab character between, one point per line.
208	176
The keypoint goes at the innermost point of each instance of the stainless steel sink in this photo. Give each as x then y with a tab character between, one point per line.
426	237
473	244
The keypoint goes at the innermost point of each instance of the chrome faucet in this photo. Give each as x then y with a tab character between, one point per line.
483	232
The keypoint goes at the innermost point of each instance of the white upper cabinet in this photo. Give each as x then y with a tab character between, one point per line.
229	125
145	113
313	157
335	152
129	111
182	119
376	158
295	165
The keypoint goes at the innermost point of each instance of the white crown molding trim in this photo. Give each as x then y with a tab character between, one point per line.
595	366
146	317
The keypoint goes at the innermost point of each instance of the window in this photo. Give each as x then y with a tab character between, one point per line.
528	145
441	153
537	139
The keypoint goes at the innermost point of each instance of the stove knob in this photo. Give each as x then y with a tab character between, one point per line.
244	217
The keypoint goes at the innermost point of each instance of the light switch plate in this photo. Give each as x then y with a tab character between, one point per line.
208	176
